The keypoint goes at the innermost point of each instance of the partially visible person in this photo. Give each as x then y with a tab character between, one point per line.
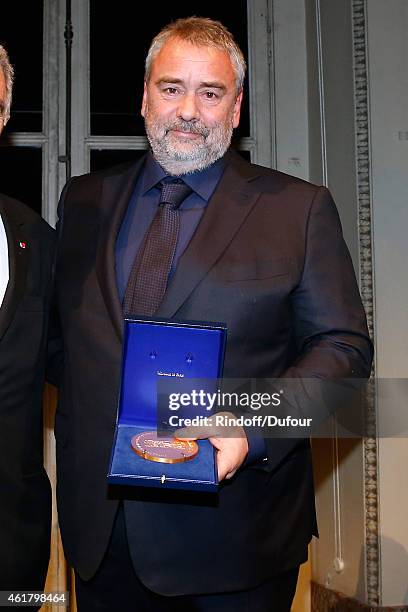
26	256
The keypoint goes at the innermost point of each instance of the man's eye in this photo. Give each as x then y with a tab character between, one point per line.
171	91
210	95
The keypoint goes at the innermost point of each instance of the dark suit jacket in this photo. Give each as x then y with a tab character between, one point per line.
268	259
25	506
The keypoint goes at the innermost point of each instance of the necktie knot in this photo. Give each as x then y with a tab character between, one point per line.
174	192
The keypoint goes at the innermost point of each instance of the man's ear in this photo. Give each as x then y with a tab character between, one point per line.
237	110
144	101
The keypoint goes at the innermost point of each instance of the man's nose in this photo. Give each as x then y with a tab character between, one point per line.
188	109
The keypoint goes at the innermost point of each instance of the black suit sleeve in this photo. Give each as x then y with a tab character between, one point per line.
55	349
329	321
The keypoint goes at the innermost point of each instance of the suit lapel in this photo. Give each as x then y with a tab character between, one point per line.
227	210
116	192
18	254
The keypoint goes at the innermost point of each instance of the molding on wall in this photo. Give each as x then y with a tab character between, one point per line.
361	93
323	142
261	77
325	600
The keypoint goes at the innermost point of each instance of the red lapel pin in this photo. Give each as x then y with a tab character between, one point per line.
23	245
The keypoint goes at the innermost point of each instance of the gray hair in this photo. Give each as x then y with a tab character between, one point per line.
8	72
200	31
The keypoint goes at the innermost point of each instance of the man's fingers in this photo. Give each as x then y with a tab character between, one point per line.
225	468
193	433
210	429
218	443
231	453
200	432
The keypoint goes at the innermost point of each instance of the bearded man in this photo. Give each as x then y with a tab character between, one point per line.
194	232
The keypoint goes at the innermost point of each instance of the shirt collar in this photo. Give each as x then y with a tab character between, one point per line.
202	182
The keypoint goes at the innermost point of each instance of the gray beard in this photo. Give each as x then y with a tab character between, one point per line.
199	156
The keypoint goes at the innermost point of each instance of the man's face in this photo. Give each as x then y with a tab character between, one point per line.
190	106
3	96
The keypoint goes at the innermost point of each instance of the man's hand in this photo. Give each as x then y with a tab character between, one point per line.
231	450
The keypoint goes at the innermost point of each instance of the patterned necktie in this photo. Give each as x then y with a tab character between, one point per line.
152	265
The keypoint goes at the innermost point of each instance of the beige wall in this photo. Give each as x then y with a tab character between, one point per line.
388	60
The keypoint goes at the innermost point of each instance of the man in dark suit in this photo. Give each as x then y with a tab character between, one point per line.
26	255
257	249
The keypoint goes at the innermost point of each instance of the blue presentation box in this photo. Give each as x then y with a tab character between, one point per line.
156	350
